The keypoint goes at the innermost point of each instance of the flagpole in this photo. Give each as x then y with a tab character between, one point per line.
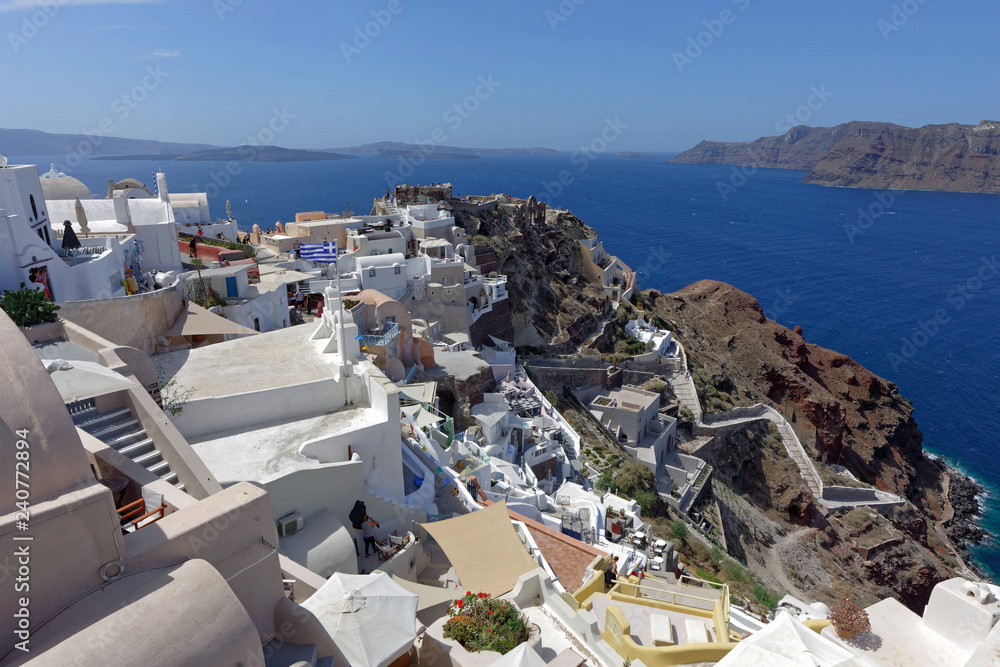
340	298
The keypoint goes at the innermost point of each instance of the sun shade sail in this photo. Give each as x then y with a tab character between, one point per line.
483	548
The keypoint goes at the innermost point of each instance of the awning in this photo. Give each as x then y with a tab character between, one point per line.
287	276
459	338
196	321
77	380
430	596
483	548
421	416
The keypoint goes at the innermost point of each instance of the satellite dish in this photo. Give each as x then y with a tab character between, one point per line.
3	162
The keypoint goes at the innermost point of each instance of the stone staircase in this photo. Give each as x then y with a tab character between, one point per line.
283	654
805	467
122	431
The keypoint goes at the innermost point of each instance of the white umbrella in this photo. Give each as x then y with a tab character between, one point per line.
77	380
785	642
370	617
81	217
522	656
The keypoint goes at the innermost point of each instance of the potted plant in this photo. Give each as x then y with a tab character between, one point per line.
482	623
28	306
850	620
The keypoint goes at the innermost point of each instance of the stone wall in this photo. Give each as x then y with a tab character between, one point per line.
557	378
419	194
134	321
496	323
486	260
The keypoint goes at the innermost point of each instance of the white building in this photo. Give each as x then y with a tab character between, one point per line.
32	253
257	302
644	332
383	273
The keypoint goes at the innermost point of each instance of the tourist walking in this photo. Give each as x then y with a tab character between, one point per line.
368	533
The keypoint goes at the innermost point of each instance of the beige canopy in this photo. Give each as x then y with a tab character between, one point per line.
430	596
483	548
421	416
196	321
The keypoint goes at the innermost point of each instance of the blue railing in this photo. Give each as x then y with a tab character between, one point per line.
381	340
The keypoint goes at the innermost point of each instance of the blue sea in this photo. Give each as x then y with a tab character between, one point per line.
905	283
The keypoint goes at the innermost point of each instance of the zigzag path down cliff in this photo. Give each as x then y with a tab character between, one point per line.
843	414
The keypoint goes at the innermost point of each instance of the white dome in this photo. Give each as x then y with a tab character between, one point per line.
57	185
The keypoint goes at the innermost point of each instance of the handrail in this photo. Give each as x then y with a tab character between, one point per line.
619	583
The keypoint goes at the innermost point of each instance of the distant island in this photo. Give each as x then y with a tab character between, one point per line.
400	149
634	154
402	153
240	154
952	157
36	142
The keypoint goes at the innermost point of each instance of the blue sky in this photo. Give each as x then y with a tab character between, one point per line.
556	70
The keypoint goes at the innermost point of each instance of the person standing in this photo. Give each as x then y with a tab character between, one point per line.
368	527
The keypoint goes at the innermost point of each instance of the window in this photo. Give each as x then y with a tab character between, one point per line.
371	273
396	270
256	323
34	209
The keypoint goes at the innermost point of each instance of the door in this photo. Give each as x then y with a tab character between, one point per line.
232	291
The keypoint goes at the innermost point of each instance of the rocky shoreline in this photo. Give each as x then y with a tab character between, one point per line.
964	529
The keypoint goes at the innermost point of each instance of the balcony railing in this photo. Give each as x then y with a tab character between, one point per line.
383	339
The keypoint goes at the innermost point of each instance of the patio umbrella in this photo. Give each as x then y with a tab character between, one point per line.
70	239
370	617
522	656
77	380
81	217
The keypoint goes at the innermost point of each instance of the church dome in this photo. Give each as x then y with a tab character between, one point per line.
57	185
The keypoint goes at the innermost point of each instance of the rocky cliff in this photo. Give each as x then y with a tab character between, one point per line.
845	415
555	307
873	155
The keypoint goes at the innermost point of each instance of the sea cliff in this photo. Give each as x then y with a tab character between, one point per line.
963	158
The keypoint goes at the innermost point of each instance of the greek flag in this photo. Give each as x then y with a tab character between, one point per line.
325	252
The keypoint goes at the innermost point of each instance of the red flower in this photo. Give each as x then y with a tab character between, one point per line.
489	630
460	603
491	612
468	592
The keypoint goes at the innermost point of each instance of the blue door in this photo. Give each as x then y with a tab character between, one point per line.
231	290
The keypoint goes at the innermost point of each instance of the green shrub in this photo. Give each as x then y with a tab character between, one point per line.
734	572
765	596
604	481
479	239
702	573
482	623
680	531
28	306
716	555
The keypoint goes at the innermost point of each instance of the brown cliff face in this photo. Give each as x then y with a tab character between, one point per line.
847	413
953	157
554	305
842	412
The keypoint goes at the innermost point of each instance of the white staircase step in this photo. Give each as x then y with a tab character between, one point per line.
103	419
159	468
137	448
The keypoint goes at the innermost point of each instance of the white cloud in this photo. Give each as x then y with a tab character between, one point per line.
165	53
25	5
